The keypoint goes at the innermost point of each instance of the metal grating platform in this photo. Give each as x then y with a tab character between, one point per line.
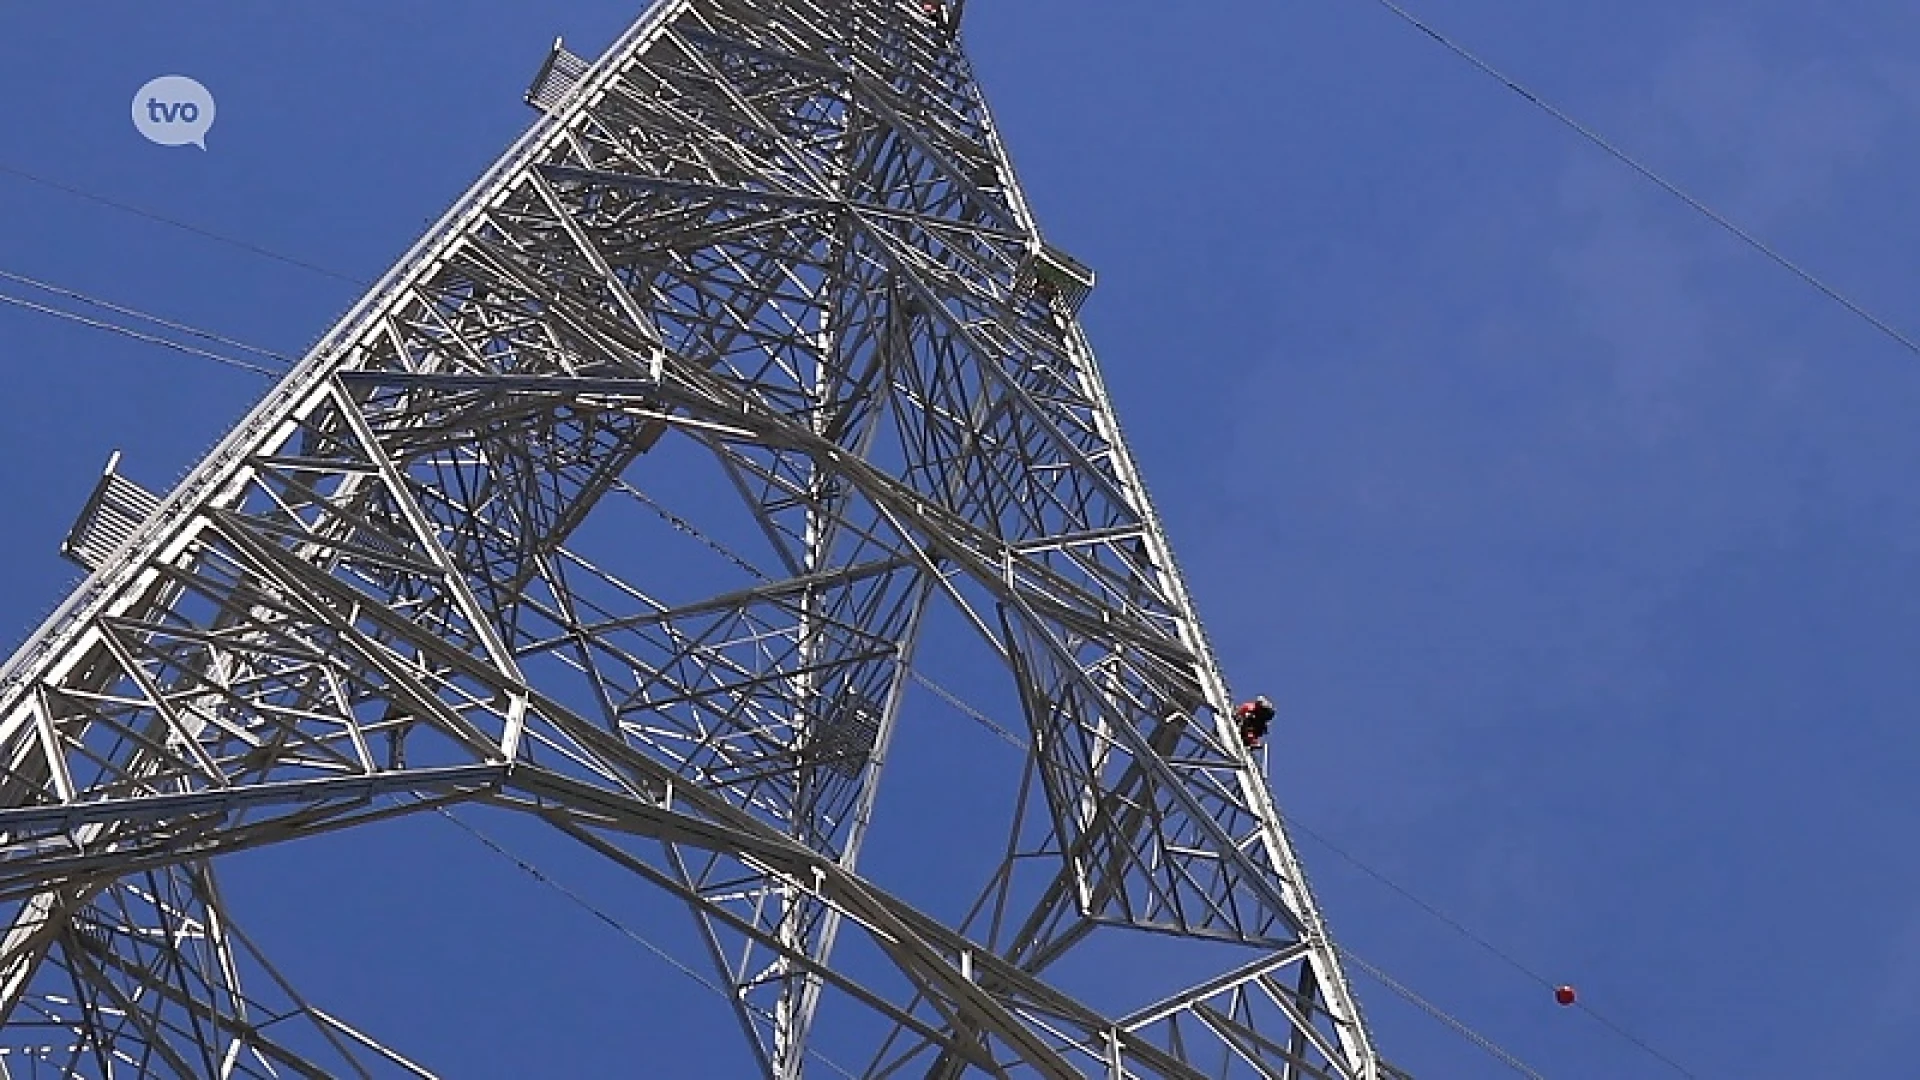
557	76
116	507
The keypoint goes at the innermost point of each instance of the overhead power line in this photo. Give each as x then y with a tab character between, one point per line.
1489	1047
151	339
172	222
118	309
1658	180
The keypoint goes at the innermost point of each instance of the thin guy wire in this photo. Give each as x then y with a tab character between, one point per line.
1493	1049
196	230
192	331
137	335
1503	956
629	932
1657	179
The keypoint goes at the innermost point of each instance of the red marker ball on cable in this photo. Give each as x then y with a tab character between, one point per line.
1564	995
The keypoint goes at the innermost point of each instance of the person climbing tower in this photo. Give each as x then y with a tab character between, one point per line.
1254	718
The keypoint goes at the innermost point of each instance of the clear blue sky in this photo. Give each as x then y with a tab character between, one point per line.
1576	542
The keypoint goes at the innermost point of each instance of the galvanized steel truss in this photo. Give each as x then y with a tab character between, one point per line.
778	245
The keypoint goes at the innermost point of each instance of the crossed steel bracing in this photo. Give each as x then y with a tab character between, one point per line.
772	252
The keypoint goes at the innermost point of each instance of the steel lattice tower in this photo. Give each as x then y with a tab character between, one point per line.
780	242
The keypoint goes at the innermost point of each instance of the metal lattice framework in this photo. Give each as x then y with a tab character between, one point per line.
778	247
